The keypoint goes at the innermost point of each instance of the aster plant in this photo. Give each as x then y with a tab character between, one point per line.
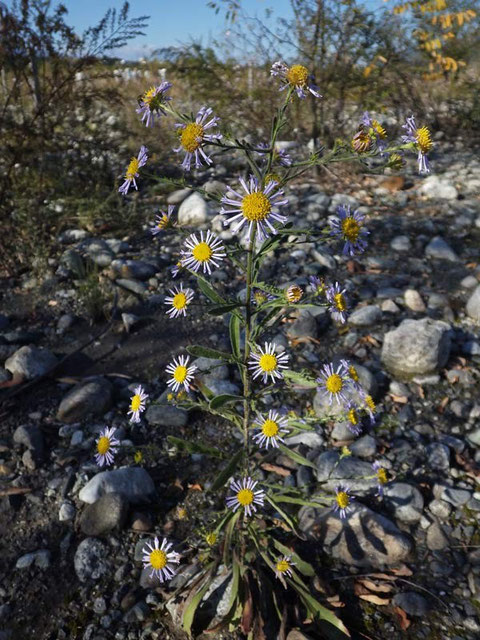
253	532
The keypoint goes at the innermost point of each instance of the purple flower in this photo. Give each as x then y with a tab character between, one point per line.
376	132
343	500
422	141
193	136
349	227
132	170
297	77
162	220
381	475
334	382
338	304
245	496
152	103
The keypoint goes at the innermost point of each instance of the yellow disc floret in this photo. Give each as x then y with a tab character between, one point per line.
158	559
350	229
180	374
268	362
297	75
353	373
294	293
162	222
353	417
340	302
334	383
179	301
136	402
283	566
370	403
424	140
245	497
270	428
103	445
132	169
382	476
202	252
211	538
378	129
192	136
256	206
342	499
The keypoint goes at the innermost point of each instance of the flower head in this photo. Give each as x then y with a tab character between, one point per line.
382	477
317	284
375	132
132	170
260	297
294	293
245	495
177	267
370	407
352	374
181	373
349	227
283	567
338	303
152	103
137	404
257	208
211	538
193	136
268	363
162	220
106	447
343	500
422	141
160	559
270	429
334	383
203	253
280	156
354	419
179	300
296	77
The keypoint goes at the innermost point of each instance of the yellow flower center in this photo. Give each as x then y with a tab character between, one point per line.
283	566
179	301
353	416
342	499
211	538
245	497
424	139
353	373
270	428
350	229
163	222
294	293
268	362
151	100
138	457
135	403
132	169
260	297
382	476
192	136
202	252
334	383
370	403
158	559
297	75
340	302
256	206
103	445
379	130
180	374
361	142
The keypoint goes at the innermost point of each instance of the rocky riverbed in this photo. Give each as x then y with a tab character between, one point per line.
407	565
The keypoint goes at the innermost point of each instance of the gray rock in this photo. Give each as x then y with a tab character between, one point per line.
440	509
133	482
65	321
304	326
404	501
436	538
416	347
435	187
40	558
389	306
73	262
134	269
193	211
221	387
438	456
98	251
211	367
365	316
322	257
69	236
176	197
457	497
341	431
412	603
413	300
474	437
31	437
440	249
323	408
342	199
135	286
90	560
66	513
332	471
5	375
364	447
364	539
107	513
310	439
166	415
91	397
30	362
473	305
401	244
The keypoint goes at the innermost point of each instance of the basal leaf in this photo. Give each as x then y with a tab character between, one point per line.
219	401
194	447
297	457
227	472
205	352
300	379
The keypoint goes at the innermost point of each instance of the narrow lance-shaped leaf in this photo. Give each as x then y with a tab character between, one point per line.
227	472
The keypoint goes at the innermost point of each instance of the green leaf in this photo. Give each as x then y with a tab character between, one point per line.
194	447
297	457
220	309
302	501
301	565
227	472
189	613
263	286
227	546
206	352
283	513
206	288
219	401
234	329
298	378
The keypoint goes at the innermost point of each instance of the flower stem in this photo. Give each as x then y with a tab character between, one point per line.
248	331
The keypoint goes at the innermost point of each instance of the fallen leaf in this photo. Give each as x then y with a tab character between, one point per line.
373	586
403	618
444	402
52	303
281	471
371	597
421	392
403	570
14	491
401	399
195	487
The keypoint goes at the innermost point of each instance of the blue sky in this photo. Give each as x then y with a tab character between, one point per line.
172	22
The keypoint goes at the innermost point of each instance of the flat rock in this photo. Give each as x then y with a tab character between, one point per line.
365	316
193	211
413	300
412	603
363	539
348	471
473	305
107	513
136	269
404	501
134	483
165	415
91	397
98	251
440	249
30	362
90	560
416	347
435	187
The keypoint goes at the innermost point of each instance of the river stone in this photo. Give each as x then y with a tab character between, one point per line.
176	197
404	501
133	482
165	415
435	187
440	249
473	305
412	603
90	397
30	362
193	211
136	269
416	347
107	513
365	316
363	539
98	251
90	560
331	471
